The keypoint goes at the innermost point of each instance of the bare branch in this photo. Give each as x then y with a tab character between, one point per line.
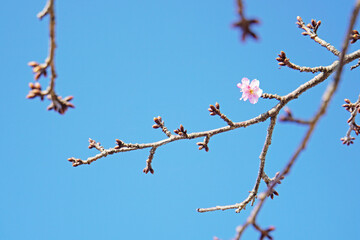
271	96
159	123
260	118
284	61
58	103
313	35
148	167
253	192
327	96
355	66
94	144
204	144
289	118
354	109
215	110
245	24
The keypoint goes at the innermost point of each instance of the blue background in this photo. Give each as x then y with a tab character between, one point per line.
126	62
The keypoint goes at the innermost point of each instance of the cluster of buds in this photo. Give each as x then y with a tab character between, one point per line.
245	26
119	144
354	109
214	110
38	69
351	107
266	233
314	25
354	36
94	144
60	105
35	91
148	167
159	123
57	103
347	140
310	29
181	131
269	183
204	144
76	161
282	59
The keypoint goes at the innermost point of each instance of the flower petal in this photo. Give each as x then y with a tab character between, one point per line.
259	92
245	81
253	99
254	83
244	97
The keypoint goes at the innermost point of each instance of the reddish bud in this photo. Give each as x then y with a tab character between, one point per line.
37	76
217	105
68	98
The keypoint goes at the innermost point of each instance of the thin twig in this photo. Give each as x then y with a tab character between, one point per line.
215	110
284	61
271	96
355	66
58	103
290	118
313	35
148	167
253	192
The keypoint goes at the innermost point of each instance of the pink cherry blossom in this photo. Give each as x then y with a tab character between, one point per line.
251	90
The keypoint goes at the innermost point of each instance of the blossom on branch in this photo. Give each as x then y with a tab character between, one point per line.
251	90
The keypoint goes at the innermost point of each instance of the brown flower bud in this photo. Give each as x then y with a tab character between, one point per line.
70	105
30	95
37	85
68	98
217	105
37	76
33	64
37	68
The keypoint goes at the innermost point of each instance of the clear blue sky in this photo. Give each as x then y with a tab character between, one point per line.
126	62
